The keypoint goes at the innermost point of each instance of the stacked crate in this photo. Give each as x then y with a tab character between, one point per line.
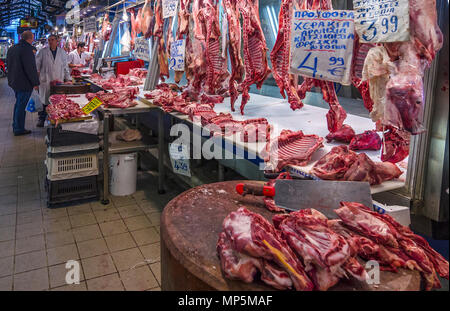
72	166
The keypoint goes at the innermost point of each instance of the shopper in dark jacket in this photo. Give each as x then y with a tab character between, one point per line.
22	78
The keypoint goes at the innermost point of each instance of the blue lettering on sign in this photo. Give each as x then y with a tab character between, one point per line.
313	68
180	165
385	22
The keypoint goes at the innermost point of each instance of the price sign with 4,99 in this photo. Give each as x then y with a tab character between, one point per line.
382	20
177	52
322	45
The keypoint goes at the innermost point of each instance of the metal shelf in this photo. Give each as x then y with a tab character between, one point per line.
132	146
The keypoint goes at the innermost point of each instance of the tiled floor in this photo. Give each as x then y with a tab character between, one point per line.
117	246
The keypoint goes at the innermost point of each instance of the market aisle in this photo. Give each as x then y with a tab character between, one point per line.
117	245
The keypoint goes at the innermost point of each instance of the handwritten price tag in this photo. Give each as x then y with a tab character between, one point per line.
179	157
382	20
322	44
142	49
92	105
90	25
177	52
169	8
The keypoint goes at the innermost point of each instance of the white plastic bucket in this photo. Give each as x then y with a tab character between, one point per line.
122	174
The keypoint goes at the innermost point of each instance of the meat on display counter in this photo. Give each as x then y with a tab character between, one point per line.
310	119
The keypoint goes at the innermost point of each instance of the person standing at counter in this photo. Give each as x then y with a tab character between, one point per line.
78	57
52	65
22	78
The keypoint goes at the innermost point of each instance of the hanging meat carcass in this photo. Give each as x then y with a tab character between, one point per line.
138	21
254	48
133	28
146	20
280	56
183	29
234	48
158	33
217	72
106	28
403	105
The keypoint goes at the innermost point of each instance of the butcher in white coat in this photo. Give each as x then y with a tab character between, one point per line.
79	58
51	65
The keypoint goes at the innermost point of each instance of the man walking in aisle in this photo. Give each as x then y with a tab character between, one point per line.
52	66
22	78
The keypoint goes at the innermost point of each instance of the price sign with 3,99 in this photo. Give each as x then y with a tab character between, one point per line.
322	45
382	20
169	8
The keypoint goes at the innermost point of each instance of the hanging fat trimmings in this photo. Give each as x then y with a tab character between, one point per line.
382	20
322	44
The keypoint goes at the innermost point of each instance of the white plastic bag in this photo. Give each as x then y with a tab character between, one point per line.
34	103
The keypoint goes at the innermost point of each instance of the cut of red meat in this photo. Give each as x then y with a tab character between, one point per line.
335	163
366	224
397	239
345	134
369	140
396	145
255	130
364	169
343	164
290	147
119	98
251	234
326	255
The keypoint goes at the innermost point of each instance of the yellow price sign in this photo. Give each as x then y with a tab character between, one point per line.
92	105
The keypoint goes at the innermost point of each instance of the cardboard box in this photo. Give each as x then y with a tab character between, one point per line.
399	213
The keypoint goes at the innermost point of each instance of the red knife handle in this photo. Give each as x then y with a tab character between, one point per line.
255	189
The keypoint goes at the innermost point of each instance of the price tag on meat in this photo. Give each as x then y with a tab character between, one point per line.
142	49
322	45
179	157
169	8
92	105
90	25
177	50
382	20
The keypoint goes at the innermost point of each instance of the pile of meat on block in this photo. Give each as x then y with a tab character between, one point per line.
305	250
61	107
117	98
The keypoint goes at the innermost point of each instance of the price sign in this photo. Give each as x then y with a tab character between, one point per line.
322	44
90	24
142	49
179	157
169	8
382	20
177	51
92	105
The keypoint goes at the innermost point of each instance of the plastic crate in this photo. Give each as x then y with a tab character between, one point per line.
74	166
62	192
58	137
66	151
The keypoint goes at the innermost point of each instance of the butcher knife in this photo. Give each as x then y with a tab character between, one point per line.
322	195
